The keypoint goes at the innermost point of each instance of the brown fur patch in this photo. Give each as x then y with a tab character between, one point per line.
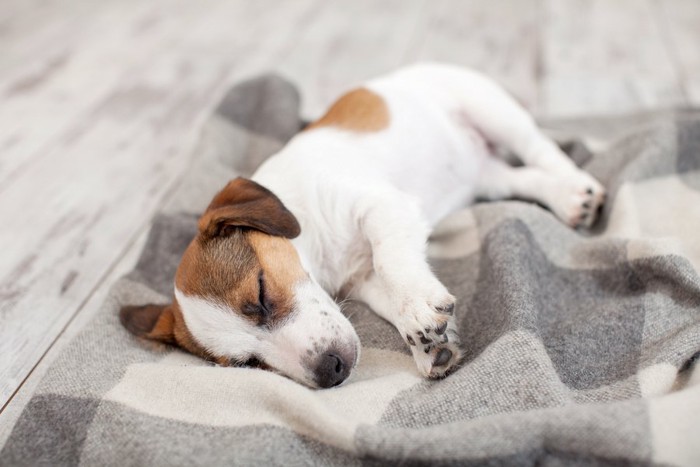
360	110
226	270
218	267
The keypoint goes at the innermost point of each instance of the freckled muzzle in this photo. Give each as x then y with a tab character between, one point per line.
322	336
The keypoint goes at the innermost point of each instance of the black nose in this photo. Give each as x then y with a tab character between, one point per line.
331	370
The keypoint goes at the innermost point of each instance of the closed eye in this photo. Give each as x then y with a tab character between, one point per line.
261	311
262	298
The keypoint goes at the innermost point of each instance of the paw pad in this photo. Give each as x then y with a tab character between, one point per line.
443	356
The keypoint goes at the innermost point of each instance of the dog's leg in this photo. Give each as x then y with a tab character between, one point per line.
498	180
489	108
402	289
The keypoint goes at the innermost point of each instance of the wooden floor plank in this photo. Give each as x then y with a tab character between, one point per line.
58	69
498	37
605	57
680	22
12	410
347	43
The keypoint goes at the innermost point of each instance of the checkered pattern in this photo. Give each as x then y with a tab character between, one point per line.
579	346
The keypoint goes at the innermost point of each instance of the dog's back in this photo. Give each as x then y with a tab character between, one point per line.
404	130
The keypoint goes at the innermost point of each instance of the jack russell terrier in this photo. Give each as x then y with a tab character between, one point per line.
347	206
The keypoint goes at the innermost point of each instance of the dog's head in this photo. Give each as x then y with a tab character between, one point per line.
243	297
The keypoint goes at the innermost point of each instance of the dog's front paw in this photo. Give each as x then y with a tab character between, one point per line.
428	327
576	198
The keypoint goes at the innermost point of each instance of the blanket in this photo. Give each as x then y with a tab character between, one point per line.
579	346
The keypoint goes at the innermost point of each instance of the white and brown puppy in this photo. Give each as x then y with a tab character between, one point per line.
355	197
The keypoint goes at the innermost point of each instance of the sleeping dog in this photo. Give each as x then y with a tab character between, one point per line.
347	207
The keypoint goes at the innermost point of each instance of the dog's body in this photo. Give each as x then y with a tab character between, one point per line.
365	183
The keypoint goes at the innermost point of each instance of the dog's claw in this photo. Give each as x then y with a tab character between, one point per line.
440	330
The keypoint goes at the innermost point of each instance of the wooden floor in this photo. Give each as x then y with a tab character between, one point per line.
101	102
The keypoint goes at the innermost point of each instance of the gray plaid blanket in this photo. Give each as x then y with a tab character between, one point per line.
579	346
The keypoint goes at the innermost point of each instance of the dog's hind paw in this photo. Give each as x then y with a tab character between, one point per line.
576	198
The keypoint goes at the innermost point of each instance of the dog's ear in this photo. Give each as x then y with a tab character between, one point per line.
155	322
244	203
162	323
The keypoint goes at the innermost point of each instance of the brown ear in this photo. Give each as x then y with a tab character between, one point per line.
244	203
154	322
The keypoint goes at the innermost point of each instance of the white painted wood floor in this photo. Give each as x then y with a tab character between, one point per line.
101	102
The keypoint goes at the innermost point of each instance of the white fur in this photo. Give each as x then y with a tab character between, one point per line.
217	328
366	201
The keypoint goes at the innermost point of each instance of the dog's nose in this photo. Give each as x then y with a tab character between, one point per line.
332	370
